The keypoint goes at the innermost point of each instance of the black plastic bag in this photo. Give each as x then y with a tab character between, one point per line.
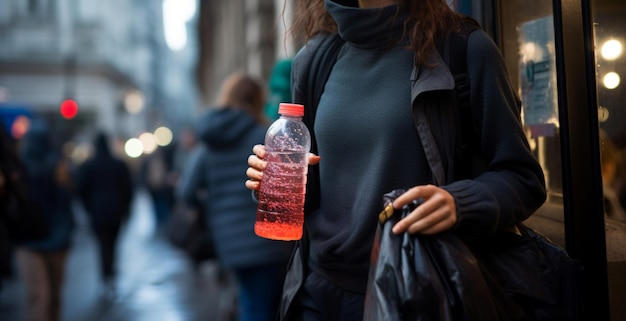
429	278
505	276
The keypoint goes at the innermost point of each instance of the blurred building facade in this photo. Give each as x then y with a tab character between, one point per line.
246	35
109	56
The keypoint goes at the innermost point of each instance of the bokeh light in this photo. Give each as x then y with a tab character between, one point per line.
611	80
69	109
163	136
134	102
611	49
133	147
149	143
20	126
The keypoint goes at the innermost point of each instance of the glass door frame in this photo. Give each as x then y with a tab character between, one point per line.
580	152
583	210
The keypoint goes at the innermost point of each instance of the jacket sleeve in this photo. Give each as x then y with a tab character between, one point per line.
512	185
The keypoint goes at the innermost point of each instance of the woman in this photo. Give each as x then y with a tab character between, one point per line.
387	82
227	132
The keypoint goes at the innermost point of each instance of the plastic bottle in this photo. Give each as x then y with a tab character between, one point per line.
280	213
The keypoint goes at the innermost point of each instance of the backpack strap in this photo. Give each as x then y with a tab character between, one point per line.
453	50
321	65
317	59
313	65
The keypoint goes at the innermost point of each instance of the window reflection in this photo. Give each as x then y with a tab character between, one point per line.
610	36
610	39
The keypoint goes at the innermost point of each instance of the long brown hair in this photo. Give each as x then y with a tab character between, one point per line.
427	19
241	91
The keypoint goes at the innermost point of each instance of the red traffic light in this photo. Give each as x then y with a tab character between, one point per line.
69	109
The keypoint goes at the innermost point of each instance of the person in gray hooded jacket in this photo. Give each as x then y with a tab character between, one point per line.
227	132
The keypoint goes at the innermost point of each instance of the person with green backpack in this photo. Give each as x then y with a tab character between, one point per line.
386	113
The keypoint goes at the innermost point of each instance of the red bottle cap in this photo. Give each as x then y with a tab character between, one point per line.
287	109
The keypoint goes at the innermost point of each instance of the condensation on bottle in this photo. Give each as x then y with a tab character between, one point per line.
280	213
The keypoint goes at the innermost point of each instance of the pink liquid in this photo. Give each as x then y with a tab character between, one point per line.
277	231
280	213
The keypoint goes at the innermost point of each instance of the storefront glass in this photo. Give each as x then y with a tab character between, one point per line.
527	38
610	55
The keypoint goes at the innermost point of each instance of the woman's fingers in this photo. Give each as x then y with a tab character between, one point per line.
253	184
259	150
254	174
313	159
433	223
412	194
437	212
258	165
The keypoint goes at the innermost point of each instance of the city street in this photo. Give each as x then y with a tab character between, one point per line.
156	282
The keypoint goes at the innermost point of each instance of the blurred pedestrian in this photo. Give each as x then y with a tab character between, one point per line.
41	263
228	131
19	219
105	187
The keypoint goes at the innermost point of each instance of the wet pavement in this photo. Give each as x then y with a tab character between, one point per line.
155	282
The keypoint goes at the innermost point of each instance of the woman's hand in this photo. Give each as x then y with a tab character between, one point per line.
257	166
436	214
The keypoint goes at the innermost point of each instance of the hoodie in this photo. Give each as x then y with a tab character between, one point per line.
219	165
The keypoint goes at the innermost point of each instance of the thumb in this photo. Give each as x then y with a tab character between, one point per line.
313	159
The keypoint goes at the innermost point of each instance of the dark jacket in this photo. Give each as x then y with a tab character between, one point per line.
105	186
227	135
488	201
506	184
46	190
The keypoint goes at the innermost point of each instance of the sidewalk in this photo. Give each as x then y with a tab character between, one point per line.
156	282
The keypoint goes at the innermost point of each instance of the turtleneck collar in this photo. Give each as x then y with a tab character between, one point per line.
366	27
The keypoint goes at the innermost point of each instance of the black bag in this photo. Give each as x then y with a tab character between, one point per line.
441	277
538	275
187	230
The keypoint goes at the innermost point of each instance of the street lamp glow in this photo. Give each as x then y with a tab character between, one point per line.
163	136
611	80
149	143
611	49
133	102
133	148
